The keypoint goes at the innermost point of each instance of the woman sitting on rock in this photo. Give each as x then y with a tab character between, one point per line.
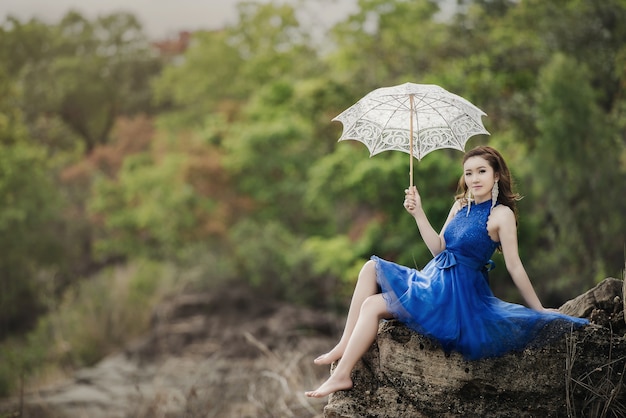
450	300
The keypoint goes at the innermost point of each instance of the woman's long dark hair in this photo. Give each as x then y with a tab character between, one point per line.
506	195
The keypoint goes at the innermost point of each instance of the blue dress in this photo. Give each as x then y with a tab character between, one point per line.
450	299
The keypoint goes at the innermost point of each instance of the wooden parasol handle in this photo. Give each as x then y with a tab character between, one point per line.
411	144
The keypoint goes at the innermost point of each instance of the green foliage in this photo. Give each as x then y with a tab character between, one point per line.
387	42
20	360
269	38
28	203
269	159
267	256
207	76
101	69
12	128
333	256
223	68
577	143
334	263
27	197
149	210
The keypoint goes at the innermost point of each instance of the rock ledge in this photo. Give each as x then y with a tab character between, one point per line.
407	375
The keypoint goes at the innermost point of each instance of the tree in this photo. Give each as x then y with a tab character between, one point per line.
29	202
149	210
97	70
387	43
222	69
578	148
206	81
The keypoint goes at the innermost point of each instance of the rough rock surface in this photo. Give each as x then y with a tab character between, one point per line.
407	375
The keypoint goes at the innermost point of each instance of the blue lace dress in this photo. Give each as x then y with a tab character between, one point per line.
450	299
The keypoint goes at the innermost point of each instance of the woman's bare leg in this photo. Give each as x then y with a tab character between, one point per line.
366	286
373	309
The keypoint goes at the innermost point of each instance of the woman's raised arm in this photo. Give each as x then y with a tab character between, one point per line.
433	240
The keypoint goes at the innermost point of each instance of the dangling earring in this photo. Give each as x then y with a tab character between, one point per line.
469	201
494	194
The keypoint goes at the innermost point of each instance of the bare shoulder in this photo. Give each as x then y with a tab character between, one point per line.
456	207
503	215
453	211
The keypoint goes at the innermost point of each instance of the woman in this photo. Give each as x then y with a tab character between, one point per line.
450	299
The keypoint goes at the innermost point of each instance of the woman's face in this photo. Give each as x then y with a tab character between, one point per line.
479	178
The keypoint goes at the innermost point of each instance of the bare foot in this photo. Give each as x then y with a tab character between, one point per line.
330	357
332	385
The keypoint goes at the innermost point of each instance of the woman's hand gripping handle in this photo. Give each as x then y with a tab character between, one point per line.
412	200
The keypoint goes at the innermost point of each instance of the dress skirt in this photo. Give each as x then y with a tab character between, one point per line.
450	301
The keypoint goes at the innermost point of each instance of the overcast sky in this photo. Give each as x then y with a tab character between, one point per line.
164	18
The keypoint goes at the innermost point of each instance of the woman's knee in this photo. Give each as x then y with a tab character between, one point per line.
375	305
368	271
370	265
